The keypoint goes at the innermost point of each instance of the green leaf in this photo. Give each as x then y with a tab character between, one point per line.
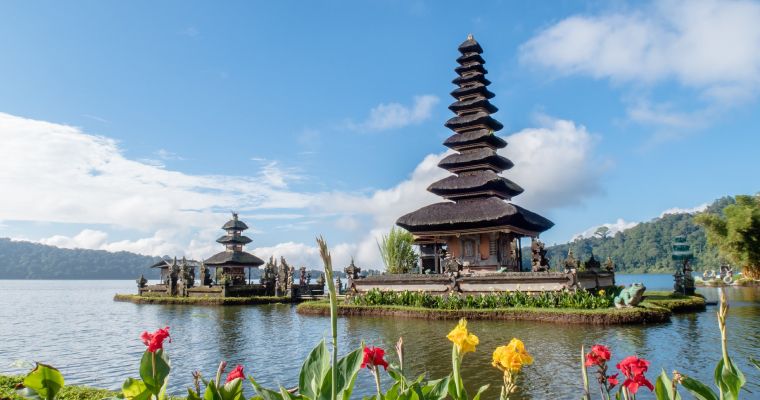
348	367
212	392
155	380
480	391
135	389
313	371
265	394
45	380
699	390
232	390
191	395
729	379
436	390
663	388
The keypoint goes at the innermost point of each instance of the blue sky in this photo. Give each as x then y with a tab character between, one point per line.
138	126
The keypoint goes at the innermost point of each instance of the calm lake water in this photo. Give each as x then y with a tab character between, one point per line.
76	326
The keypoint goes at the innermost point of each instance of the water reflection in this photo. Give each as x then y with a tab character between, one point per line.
95	341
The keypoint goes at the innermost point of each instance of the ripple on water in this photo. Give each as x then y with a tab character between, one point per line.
76	326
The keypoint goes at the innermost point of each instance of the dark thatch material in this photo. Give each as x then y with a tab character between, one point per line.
477	77
470	46
474	184
470	58
478	158
230	239
463	69
473	104
234	258
470	89
235	224
482	137
462	122
477	213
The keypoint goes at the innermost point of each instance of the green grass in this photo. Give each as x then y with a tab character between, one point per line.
211	301
657	307
8	391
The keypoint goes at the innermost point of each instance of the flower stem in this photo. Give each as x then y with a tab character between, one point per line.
376	373
455	364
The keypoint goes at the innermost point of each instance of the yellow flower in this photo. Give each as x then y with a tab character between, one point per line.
602	292
464	340
511	357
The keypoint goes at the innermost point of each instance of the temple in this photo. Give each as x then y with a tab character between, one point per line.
476	224
230	265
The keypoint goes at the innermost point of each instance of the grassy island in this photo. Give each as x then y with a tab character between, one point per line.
8	390
207	301
656	307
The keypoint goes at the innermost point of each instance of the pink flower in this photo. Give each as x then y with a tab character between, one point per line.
598	355
373	357
634	369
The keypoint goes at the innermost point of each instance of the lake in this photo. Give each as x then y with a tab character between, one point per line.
75	326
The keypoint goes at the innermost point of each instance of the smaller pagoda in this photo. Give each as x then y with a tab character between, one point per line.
233	261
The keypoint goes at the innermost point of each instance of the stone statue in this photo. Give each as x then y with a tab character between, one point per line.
269	277
173	277
321	280
539	262
352	271
141	281
206	275
592	264
630	296
609	266
338	285
302	277
571	264
451	266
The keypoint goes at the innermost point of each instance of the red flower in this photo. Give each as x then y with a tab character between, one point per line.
634	369
612	380
155	340
373	357
598	355
236	373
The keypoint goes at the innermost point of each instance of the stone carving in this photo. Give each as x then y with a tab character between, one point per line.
452	268
302	281
141	281
352	271
630	296
571	264
269	276
206	275
609	266
539	263
321	281
338	285
592	265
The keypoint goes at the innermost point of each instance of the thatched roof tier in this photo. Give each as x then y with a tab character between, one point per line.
465	69
234	239
470	46
480	213
478	138
470	121
234	258
235	224
473	77
474	159
470	89
468	58
478	103
475	184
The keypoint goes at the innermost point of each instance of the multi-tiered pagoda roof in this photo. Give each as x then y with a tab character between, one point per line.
477	195
234	241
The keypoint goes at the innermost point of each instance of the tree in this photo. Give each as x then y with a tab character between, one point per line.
397	250
736	233
602	232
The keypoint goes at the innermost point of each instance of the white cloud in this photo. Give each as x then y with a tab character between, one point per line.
710	45
395	115
58	173
679	210
614	227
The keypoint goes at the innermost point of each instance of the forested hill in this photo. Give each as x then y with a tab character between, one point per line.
26	260
645	247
